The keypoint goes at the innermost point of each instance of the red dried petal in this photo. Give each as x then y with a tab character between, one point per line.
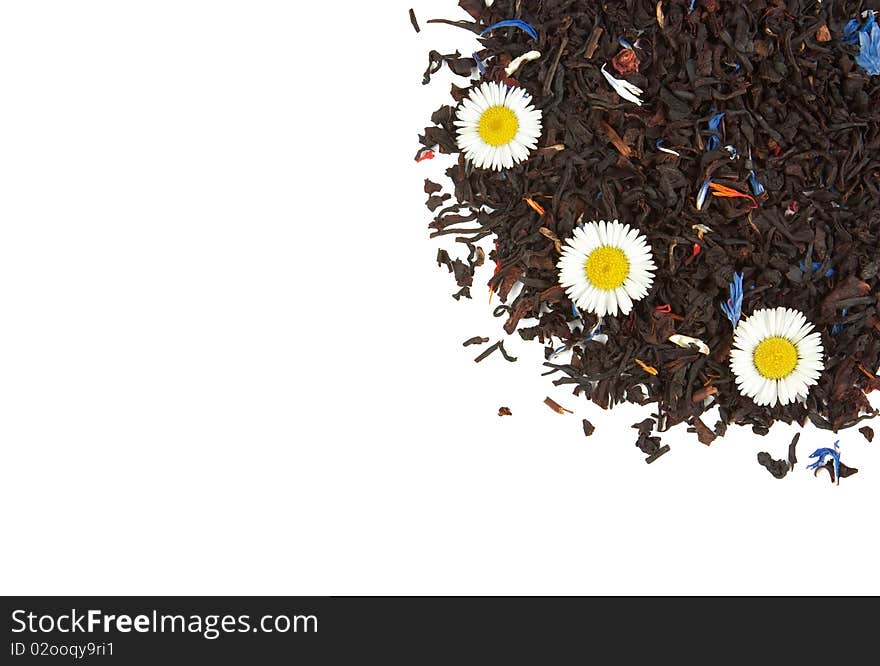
626	62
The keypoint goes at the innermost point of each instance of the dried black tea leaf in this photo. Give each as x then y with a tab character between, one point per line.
556	407
844	470
432	187
705	435
644	427
443	259
507	357
792	451
778	468
487	352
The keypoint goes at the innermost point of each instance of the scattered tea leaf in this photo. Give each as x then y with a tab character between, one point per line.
507	357
792	450
487	352
705	435
778	468
556	407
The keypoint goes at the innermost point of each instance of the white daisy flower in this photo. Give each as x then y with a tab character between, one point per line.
775	357
498	126
606	266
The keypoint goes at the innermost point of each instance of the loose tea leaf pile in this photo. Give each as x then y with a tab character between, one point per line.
755	149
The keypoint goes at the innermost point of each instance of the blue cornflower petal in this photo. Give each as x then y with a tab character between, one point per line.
757	188
557	352
714	124
822	454
853	29
693	5
659	145
869	50
837	329
480	64
625	44
715	121
701	195
816	266
513	23
733	307
850	31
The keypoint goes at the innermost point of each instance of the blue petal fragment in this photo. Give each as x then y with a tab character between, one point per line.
625	44
693	5
816	266
701	195
480	64
854	27
837	329
757	188
850	31
715	121
661	146
557	352
822	454
513	23
714	141
869	50
733	307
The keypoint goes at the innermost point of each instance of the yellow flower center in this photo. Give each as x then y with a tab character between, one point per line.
607	267
775	358
498	125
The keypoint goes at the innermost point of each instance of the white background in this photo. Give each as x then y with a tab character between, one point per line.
229	363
